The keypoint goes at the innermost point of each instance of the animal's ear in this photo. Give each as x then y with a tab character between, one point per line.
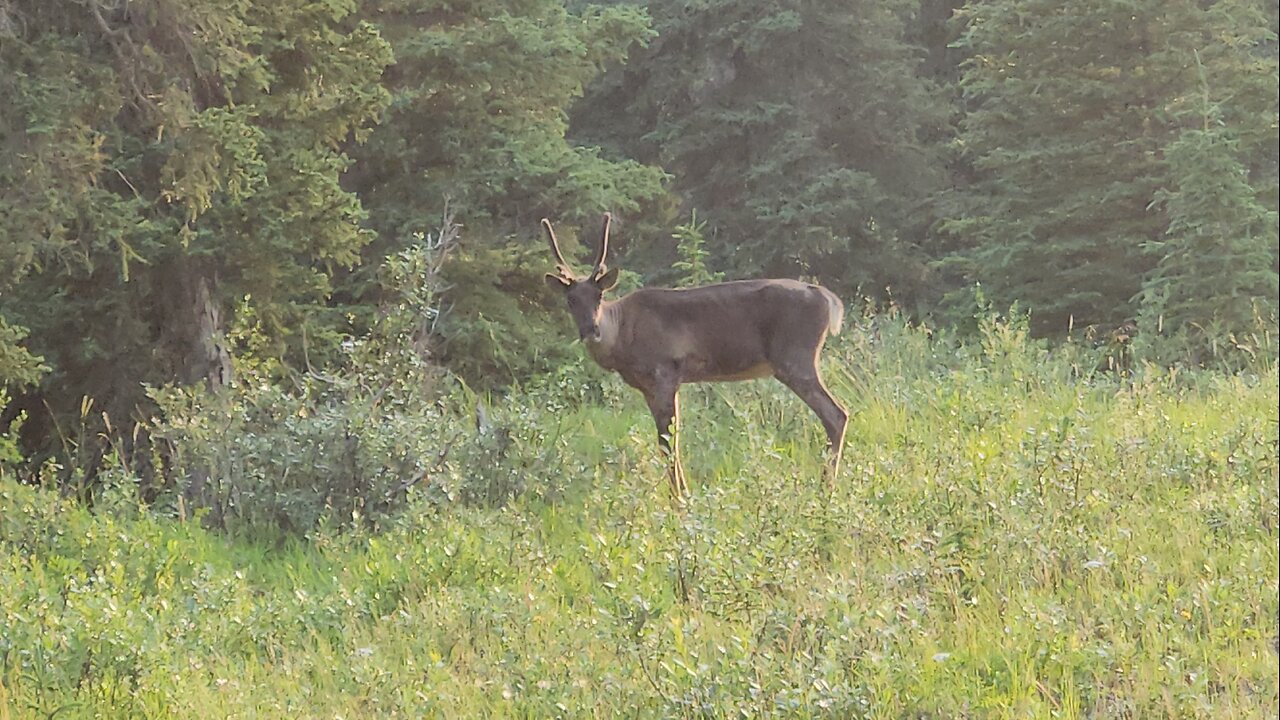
556	282
608	280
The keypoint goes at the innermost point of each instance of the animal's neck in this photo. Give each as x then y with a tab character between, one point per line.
602	350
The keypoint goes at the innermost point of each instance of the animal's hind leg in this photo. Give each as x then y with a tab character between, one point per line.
806	383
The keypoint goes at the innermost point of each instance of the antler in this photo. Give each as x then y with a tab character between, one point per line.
561	265
599	266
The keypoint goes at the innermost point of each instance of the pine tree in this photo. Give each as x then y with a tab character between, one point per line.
481	90
1215	285
803	132
172	161
691	246
1072	109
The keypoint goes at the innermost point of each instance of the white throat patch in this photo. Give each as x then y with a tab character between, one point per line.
608	329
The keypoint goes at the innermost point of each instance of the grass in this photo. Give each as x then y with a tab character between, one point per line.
1011	536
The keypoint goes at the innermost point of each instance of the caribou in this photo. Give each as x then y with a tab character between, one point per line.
658	339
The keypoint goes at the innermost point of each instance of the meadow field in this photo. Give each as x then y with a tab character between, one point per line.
1015	533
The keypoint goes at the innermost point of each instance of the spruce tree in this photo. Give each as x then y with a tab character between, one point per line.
1214	289
1072	111
169	163
478	119
804	134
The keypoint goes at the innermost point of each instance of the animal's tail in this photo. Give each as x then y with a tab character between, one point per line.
835	310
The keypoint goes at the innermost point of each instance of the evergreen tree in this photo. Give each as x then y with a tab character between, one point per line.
691	246
478	118
1071	112
1216	283
168	162
802	131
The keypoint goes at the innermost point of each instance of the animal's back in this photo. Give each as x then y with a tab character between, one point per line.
745	303
733	330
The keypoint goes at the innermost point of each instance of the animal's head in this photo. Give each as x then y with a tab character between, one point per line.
585	294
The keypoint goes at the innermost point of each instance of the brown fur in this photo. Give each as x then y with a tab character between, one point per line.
658	339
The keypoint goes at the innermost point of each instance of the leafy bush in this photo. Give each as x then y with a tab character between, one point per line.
339	451
10	455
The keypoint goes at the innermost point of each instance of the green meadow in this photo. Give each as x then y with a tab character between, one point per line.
1015	533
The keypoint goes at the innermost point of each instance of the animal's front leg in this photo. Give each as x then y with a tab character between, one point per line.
677	468
665	406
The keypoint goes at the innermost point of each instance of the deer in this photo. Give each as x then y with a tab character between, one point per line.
658	339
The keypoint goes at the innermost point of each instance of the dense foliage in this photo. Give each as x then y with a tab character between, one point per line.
480	91
804	132
175	171
164	160
1120	148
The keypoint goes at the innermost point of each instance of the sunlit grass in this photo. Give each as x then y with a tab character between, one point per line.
1006	540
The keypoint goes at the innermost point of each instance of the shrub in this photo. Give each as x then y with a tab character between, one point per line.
290	450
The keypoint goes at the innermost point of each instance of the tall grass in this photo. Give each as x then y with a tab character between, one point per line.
1013	535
